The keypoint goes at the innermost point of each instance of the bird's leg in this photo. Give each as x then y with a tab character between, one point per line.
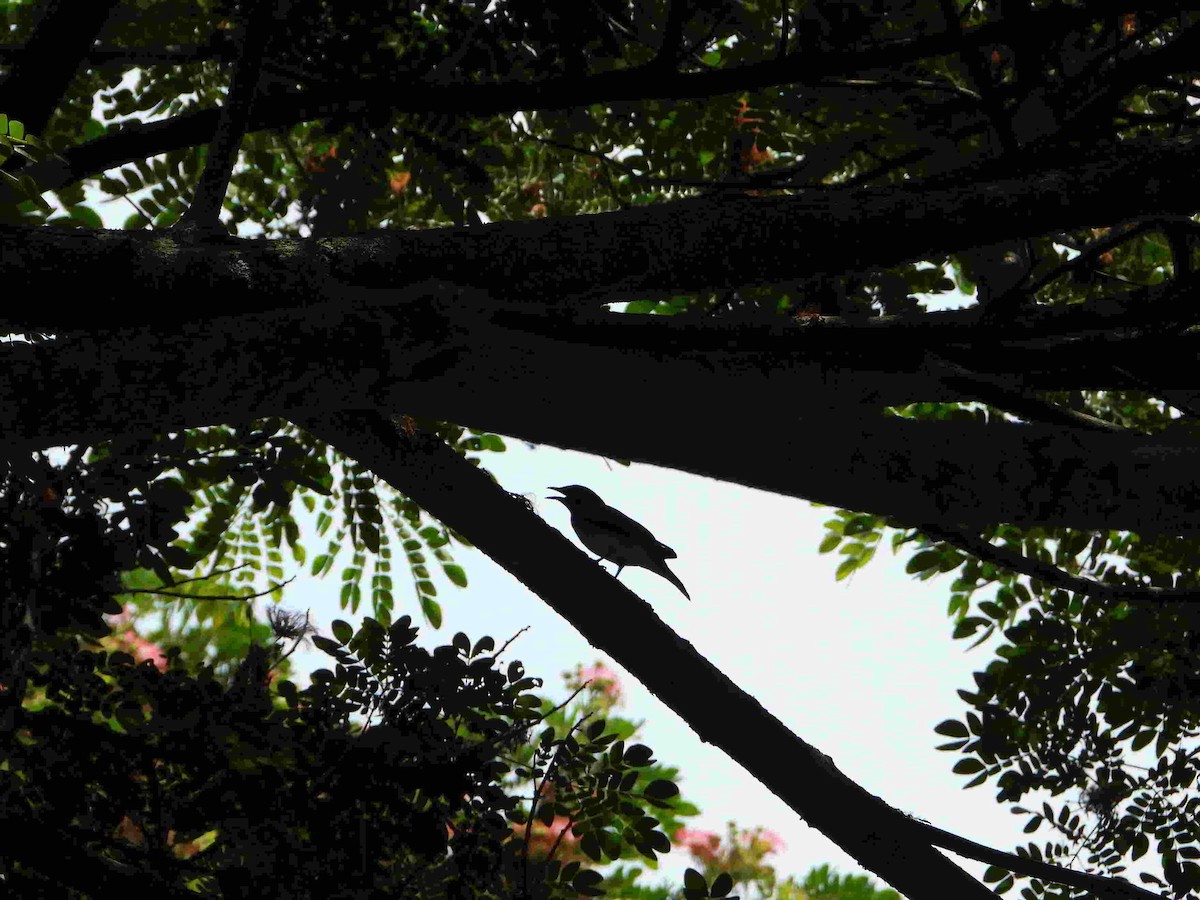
617	574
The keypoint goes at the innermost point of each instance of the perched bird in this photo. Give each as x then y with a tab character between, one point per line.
614	536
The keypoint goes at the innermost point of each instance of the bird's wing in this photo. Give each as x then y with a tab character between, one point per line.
667	552
616	521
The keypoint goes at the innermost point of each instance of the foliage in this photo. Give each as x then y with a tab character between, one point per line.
223	781
1124	670
1088	696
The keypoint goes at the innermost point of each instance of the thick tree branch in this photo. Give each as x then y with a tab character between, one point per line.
607	614
706	243
440	357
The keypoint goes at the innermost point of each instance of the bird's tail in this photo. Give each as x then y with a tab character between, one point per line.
670	576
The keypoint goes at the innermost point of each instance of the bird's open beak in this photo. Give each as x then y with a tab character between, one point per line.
559	499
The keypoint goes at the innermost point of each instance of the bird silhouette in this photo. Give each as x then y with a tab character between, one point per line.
613	536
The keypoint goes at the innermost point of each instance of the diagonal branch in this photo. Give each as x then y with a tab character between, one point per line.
60	41
204	213
607	614
884	840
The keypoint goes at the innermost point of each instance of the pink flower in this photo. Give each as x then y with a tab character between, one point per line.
770	840
143	650
603	679
122	617
701	844
562	825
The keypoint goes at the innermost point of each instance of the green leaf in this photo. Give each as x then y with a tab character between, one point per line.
326	645
952	728
432	610
1143	738
968	766
660	789
993	874
342	630
456	574
926	559
370	535
591	847
847	566
86	215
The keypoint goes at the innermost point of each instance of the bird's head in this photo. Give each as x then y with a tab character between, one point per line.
576	495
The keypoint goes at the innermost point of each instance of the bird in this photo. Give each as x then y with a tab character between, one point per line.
615	537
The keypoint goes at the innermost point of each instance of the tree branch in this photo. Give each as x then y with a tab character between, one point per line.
893	846
203	216
607	613
698	244
50	58
1053	575
444	358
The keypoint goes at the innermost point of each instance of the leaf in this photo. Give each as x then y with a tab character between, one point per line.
994	873
326	645
846	567
926	559
369	534
342	631
591	846
952	728
660	789
830	543
721	885
87	216
432	611
456	574
1142	740
967	766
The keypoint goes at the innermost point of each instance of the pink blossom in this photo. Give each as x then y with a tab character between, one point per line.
765	836
602	678
701	844
562	825
143	650
122	617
